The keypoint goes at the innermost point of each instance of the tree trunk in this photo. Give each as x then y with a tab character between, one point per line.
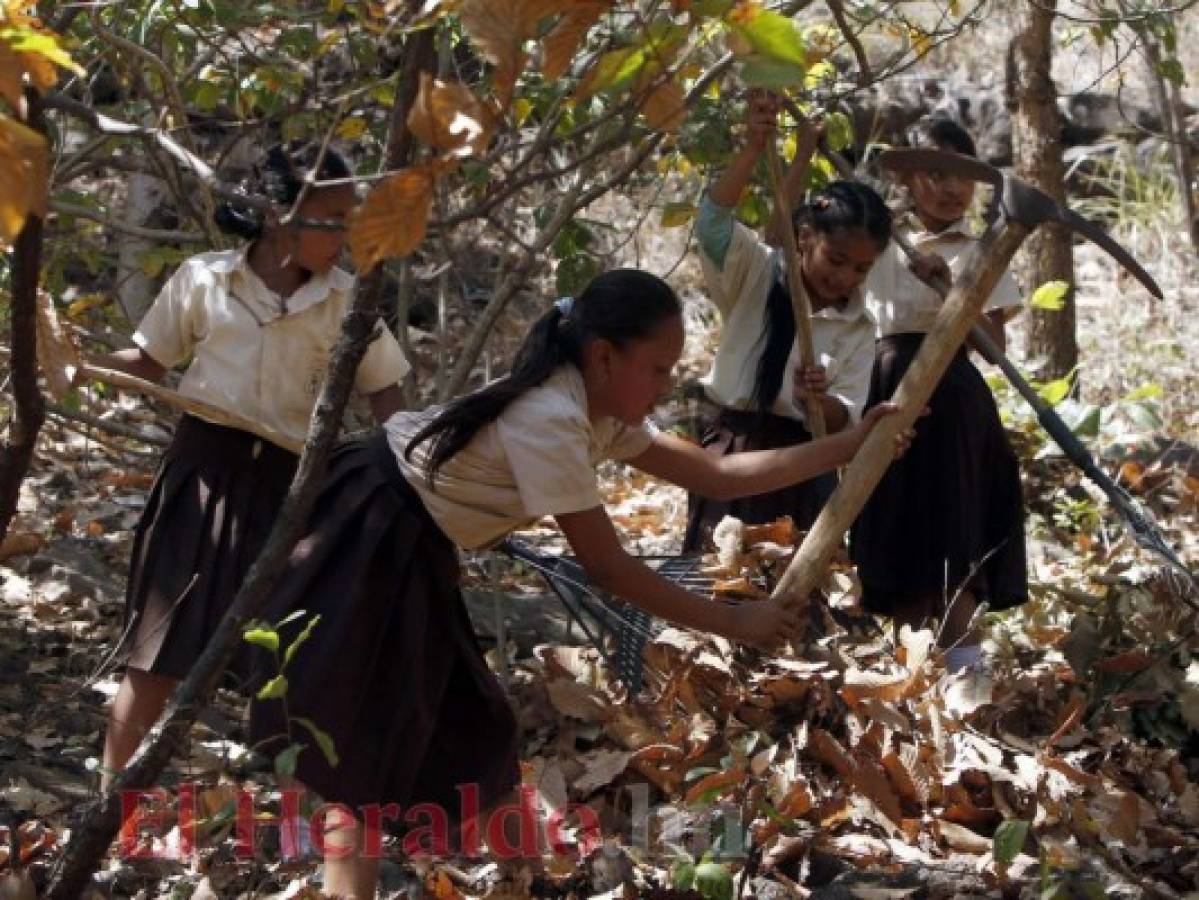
1173	113
135	289
29	409
1052	346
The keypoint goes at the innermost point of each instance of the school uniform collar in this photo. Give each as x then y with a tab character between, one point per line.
849	310
955	232
252	289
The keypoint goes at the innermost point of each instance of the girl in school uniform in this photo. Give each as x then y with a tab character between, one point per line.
756	384
393	671
944	530
258	325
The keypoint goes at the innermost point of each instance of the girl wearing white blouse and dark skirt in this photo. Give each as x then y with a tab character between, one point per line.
756	386
258	325
944	529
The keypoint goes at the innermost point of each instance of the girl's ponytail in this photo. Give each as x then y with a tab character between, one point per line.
619	306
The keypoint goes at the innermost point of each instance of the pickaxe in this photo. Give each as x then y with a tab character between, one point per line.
1017	209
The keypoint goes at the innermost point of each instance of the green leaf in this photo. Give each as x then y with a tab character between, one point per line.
772	74
821	74
1171	70
615	70
676	214
322	738
274	689
300	639
260	636
1054	392
711	8
1148	391
773	35
1051	295
1009	840
285	761
838	131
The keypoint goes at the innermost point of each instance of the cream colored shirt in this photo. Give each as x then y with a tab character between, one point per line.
842	337
248	356
537	459
900	302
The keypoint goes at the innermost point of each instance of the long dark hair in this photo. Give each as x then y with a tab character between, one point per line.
620	306
841	206
279	176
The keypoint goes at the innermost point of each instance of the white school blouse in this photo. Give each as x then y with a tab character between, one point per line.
900	302
842	336
249	356
537	459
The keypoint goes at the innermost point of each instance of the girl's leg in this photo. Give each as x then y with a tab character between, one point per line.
349	873
136	707
955	624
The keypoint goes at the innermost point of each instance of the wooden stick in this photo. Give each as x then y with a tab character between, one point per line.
988	260
814	412
206	411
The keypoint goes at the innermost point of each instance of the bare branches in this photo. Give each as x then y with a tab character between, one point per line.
838	10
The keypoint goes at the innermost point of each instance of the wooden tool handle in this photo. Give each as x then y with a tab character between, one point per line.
813	411
988	260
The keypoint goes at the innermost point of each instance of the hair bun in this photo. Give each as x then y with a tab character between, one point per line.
238	222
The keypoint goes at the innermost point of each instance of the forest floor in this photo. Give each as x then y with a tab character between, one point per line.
852	767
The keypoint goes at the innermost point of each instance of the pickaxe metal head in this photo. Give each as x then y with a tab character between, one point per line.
1018	201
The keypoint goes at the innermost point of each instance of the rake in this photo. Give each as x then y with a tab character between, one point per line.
618	630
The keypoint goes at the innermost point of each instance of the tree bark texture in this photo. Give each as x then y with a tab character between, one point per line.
1037	144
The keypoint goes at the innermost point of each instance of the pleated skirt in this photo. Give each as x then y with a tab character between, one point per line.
949	514
209	512
392	672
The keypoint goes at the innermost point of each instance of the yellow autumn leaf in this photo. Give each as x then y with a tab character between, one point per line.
448	116
393	218
352	128
665	106
563	41
500	29
24	173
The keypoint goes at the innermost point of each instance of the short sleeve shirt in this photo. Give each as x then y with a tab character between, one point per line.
252	352
900	302
537	459
739	285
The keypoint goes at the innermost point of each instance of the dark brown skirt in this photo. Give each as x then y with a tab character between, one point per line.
734	431
950	512
393	671
209	512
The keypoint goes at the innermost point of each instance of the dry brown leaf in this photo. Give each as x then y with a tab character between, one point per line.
781	531
717	782
578	701
448	116
902	769
870	778
603	767
499	30
962	839
1125	663
563	41
860	685
24	176
21	544
392	220
57	354
825	748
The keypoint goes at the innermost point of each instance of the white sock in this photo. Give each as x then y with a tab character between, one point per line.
295	842
962	656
